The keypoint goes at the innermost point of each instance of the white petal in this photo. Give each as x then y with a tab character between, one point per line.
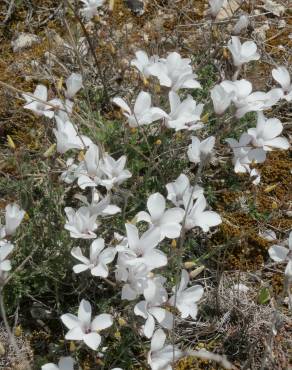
281	75
170	230
100	270
143	103
77	253
288	269
149	326
278	253
158	340
92	340
84	312
96	247
80	268
66	363
143	216
50	366
69	320
102	322
75	334
156	206
122	104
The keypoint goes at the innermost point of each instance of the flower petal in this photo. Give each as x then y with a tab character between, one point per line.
278	253
101	322
92	340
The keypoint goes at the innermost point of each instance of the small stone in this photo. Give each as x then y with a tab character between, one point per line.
24	41
136	6
282	24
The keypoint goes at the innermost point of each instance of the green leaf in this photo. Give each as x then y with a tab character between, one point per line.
264	296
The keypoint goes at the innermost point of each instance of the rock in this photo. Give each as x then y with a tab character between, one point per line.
136	6
24	41
260	32
273	7
282	24
229	7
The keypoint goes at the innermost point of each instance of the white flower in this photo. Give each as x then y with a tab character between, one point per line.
65	363
13	217
185	299
99	207
185	114
143	250
197	216
161	356
175	72
221	99
143	113
242	53
114	171
244	155
281	75
230	91
62	108
82	328
180	189
143	62
99	258
81	223
155	295
167	221
71	173
268	235
215	5
68	138
89	9
241	24
92	172
135	278
266	134
258	101
5	249
279	253
198	150
255	175
39	107
73	84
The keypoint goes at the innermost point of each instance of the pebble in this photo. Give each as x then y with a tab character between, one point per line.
24	41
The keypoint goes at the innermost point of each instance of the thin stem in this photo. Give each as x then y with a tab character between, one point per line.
180	246
9	332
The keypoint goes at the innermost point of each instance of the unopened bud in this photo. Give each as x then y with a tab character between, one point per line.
10	142
270	188
81	156
158	142
18	331
122	322
205	118
59	84
49	152
196	272
225	53
145	81
157	88
189	264
173	243
112	48
117	335
133	130
72	347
